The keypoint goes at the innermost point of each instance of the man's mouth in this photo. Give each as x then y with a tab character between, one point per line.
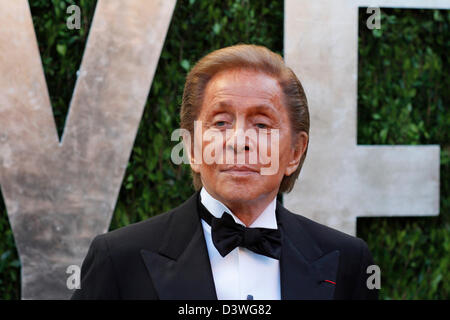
240	170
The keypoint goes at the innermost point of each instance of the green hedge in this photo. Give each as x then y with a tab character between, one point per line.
402	100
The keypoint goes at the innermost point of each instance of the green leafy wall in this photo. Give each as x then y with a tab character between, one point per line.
402	97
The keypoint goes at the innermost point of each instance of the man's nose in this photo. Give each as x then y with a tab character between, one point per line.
238	141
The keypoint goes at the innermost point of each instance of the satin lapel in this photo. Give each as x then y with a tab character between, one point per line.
181	270
303	266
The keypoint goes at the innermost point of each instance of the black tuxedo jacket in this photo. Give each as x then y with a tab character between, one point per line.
165	257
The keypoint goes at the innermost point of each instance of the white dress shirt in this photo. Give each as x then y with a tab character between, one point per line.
242	272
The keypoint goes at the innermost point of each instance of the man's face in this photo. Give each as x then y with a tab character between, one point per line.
237	101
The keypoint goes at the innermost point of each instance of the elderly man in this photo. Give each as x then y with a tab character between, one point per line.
232	239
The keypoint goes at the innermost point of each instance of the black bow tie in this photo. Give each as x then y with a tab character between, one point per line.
227	235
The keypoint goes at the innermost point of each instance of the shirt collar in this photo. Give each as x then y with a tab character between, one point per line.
267	219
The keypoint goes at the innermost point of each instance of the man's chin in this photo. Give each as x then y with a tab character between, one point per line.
238	192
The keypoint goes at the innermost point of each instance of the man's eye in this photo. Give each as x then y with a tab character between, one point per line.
261	126
220	123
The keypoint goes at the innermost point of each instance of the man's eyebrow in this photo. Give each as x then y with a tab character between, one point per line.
222	104
267	108
219	107
259	107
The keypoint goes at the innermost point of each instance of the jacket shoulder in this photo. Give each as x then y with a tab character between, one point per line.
146	232
328	238
354	254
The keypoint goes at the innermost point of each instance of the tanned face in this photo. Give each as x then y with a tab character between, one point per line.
236	101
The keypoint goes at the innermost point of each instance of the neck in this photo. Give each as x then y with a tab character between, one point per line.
248	210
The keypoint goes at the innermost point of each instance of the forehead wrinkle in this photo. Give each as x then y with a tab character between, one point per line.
251	108
244	78
257	94
221	88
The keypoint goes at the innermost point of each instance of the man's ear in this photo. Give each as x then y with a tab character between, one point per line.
194	166
297	152
189	148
